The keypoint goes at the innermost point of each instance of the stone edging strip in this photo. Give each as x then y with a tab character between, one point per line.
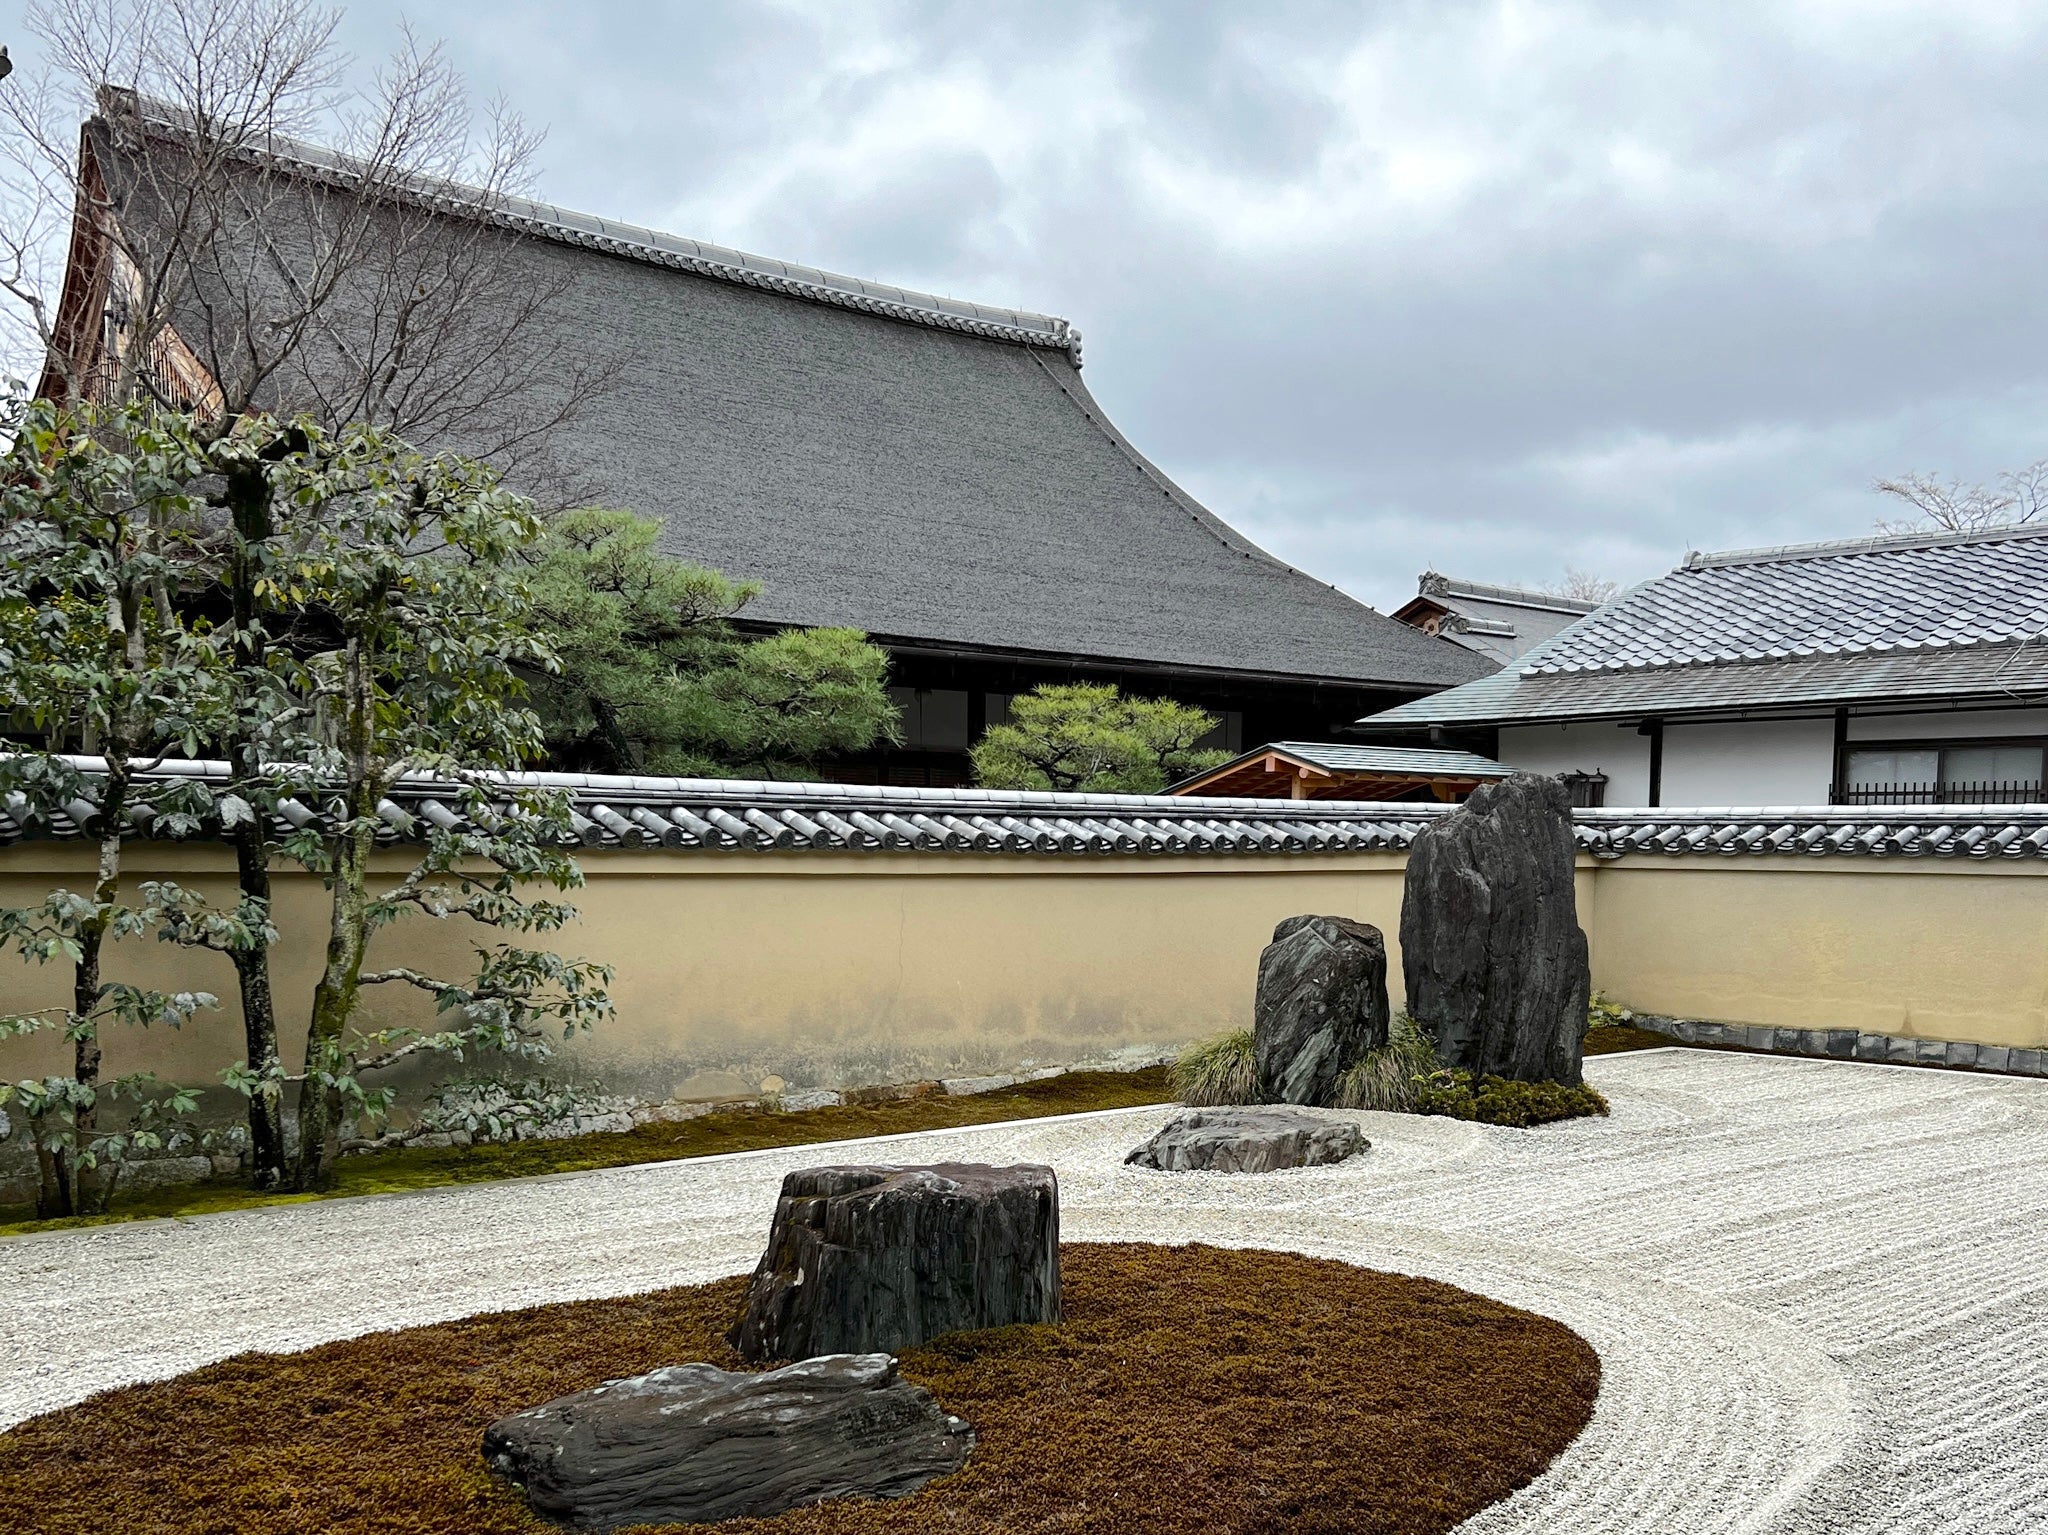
1851	1045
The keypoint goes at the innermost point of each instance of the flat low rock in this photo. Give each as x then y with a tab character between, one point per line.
692	1443
867	1258
1260	1140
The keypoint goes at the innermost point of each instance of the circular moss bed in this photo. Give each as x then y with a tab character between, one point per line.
1190	1389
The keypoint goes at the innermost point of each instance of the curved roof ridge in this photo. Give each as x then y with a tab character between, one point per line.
637	242
1434	583
1202	517
1933	538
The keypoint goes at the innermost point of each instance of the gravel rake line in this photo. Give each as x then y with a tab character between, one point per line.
1815	1286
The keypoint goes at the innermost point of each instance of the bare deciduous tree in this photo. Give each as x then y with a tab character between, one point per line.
219	262
1582	586
2017	496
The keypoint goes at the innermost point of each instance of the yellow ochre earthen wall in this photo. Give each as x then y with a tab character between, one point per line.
836	969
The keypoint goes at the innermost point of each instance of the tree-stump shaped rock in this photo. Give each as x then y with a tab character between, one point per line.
1491	950
693	1443
1248	1141
867	1259
1322	1003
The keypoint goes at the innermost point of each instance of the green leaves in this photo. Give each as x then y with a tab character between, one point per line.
1093	738
653	676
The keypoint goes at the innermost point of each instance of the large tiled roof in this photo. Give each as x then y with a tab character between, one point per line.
920	468
742	816
1910	617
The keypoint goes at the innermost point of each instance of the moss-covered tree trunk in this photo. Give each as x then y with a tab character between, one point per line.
348	930
334	1001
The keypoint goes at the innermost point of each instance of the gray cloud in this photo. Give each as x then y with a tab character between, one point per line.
1497	287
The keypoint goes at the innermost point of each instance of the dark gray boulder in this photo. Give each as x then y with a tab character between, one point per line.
862	1259
1322	1003
1248	1141
693	1443
1491	950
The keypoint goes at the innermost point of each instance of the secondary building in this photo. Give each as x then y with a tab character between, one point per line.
1334	770
1899	670
1499	622
931	471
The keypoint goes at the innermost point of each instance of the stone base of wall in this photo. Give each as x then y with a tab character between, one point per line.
1850	1045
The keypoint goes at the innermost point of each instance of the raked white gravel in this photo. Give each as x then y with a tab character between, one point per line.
1819	1290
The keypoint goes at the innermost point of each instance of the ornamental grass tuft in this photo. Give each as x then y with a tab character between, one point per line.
1388	1078
1218	1072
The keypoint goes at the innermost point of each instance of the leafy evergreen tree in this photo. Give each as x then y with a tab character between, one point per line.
1091	737
413	629
653	676
99	540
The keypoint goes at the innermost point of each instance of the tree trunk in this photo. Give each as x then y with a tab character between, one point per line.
249	497
89	1185
334	999
267	1167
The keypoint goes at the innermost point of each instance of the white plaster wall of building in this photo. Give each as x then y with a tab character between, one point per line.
1749	762
1619	751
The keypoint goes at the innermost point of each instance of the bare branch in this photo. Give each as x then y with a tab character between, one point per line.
220	260
1582	586
2018	496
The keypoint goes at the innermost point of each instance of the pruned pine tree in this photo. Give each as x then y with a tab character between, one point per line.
413	629
100	536
1091	737
654	677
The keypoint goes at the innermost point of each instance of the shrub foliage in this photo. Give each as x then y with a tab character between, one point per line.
1498	1101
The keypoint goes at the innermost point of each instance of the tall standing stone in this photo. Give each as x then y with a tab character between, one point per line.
878	1259
1491	949
1322	1004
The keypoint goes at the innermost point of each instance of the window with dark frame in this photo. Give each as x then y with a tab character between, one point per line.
1963	772
1588	790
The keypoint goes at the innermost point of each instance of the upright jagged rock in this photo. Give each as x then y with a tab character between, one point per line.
866	1259
1491	949
1322	1003
692	1443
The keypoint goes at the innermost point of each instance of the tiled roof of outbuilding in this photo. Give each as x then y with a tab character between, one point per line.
1863	597
1916	616
735	815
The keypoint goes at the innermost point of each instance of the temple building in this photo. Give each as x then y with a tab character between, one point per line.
933	472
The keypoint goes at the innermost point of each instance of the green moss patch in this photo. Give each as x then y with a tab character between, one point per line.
1498	1101
1612	1039
1190	1391
387	1172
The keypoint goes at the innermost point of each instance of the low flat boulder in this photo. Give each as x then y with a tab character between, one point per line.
862	1259
692	1443
1260	1140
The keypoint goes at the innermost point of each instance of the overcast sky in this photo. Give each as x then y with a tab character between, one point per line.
1494	288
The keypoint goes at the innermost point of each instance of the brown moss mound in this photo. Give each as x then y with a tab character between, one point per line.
1191	1389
